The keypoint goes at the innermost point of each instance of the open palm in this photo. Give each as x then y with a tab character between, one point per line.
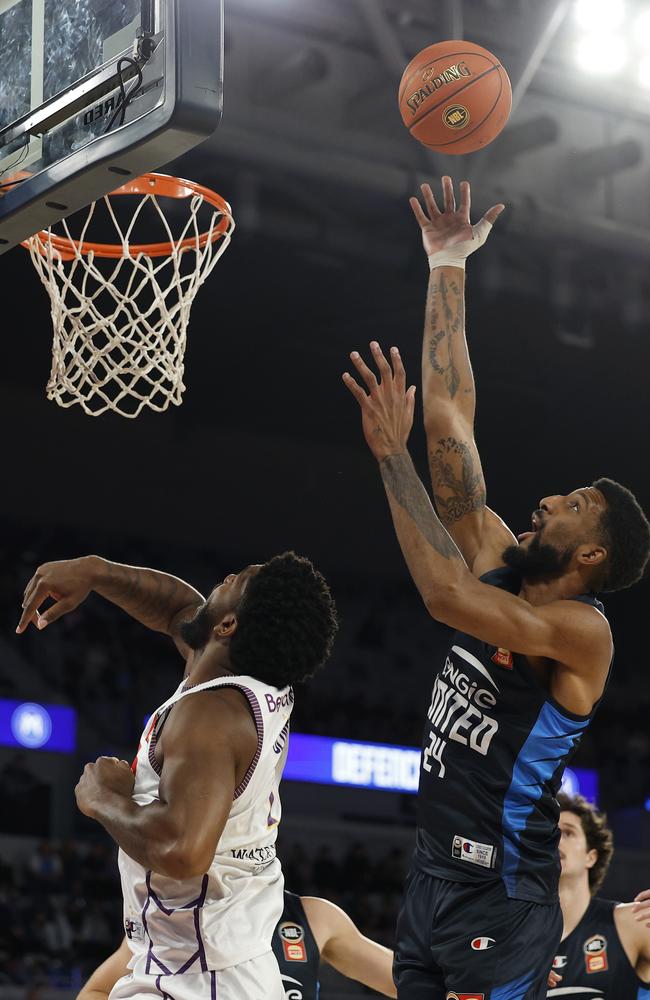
451	226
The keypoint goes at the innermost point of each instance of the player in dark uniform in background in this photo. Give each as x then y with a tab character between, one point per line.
605	949
309	931
525	668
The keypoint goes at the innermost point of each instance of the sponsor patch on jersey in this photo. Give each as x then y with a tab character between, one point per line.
595	949
482	943
133	929
503	658
560	961
470	850
465	996
293	941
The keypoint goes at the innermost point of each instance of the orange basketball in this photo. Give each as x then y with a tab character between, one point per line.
455	97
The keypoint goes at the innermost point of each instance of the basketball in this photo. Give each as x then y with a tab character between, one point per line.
455	97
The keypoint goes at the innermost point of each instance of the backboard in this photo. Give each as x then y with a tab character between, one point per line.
93	92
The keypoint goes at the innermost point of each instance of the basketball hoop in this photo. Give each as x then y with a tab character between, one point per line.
120	309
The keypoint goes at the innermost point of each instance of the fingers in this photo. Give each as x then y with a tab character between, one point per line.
56	611
366	374
465	199
31	605
430	200
410	403
418	213
493	213
355	388
399	374
641	896
380	361
448	194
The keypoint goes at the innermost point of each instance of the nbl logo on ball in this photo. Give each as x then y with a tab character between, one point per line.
456	116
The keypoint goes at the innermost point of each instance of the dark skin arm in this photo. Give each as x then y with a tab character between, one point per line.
207	744
158	600
449	392
575	637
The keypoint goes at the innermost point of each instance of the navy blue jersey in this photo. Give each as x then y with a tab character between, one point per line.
593	963
296	950
494	750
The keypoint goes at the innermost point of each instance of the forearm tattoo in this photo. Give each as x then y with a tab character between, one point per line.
464	488
147	595
442	338
403	483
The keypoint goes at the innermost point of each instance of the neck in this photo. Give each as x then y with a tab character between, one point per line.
208	664
574	900
545	591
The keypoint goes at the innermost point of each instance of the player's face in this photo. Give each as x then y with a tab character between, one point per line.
223	600
560	524
575	857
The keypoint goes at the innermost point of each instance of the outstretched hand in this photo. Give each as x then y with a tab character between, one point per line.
68	582
441	230
387	408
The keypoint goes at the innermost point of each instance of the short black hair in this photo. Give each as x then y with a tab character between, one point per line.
597	834
286	622
626	535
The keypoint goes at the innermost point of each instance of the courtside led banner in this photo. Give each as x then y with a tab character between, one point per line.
33	726
382	766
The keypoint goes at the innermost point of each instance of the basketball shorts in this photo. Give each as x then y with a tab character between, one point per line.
457	941
258	979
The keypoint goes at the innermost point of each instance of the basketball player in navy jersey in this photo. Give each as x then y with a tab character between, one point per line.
526	665
196	815
605	948
309	931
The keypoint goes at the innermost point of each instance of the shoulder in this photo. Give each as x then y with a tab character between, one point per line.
213	717
628	928
585	621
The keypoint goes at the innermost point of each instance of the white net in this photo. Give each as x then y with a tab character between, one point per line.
120	323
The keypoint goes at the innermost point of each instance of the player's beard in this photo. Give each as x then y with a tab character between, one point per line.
196	631
538	560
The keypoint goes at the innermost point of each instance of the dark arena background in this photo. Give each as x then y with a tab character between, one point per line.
266	452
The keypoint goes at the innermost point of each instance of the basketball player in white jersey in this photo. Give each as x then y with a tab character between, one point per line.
196	815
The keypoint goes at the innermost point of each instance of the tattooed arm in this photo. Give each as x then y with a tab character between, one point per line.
449	391
575	635
157	600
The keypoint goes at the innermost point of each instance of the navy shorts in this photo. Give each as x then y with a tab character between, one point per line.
459	941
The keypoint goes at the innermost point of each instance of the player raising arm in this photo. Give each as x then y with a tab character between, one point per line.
511	700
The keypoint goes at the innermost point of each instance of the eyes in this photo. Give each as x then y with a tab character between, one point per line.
574	505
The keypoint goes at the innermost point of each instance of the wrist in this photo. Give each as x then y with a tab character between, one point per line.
94	567
450	257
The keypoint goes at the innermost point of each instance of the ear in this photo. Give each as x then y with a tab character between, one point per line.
591	555
592	858
226	628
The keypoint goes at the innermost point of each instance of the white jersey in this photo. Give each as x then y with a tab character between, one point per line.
228	915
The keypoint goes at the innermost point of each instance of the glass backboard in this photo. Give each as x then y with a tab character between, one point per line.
95	91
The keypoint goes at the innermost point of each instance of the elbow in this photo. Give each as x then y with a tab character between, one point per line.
183	861
443	601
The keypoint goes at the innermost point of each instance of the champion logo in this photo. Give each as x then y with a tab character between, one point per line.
483	943
560	961
465	996
468	847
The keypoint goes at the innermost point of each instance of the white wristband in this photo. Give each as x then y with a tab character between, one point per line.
456	256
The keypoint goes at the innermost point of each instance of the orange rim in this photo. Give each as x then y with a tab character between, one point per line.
158	184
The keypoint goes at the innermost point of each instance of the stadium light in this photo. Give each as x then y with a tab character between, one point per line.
599	15
601	54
